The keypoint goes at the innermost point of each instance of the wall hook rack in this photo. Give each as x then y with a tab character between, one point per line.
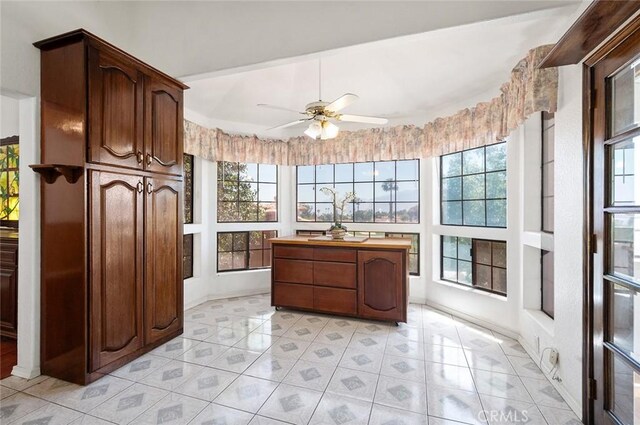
51	172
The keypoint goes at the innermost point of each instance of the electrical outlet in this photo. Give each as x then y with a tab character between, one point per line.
553	356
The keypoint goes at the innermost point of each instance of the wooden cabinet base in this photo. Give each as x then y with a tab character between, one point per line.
369	280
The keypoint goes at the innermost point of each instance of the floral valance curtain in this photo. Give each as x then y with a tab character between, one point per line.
529	90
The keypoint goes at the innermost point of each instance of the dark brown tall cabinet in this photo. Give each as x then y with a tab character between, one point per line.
111	207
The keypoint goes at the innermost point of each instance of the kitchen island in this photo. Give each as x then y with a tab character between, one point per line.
368	279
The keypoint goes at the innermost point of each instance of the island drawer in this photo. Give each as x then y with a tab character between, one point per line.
341	275
294	252
333	254
293	271
292	295
334	300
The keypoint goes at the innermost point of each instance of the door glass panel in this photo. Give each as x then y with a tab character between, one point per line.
624	319
624	392
625	99
625	252
623	159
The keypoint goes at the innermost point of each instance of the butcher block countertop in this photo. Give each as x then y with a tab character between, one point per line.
388	243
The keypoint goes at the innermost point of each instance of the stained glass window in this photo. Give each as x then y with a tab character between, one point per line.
9	181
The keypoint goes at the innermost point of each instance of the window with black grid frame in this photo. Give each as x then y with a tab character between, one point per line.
386	191
473	187
245	250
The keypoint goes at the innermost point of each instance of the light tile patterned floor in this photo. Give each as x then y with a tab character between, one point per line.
240	362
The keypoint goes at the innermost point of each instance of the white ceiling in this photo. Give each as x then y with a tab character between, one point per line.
409	80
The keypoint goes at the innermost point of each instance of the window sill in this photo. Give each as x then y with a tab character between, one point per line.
542	320
232	272
192	228
470	289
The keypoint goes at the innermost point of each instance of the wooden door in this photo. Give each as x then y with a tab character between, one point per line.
163	282
164	127
614	299
115	111
381	285
116	254
9	287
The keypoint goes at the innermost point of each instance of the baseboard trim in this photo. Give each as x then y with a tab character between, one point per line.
559	386
22	372
469	318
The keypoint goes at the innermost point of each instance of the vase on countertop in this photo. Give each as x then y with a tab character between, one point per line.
338	232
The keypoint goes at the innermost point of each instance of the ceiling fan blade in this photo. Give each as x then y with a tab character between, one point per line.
290	124
341	102
279	108
362	119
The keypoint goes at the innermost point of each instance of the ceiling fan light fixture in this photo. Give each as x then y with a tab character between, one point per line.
314	130
329	130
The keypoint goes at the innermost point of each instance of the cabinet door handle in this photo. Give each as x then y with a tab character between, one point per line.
140	157
149	188
148	159
140	187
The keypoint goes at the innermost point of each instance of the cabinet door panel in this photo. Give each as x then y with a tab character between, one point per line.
164	131
381	285
163	282
116	231
116	111
8	288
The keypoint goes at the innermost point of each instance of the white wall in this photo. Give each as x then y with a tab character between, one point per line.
9	113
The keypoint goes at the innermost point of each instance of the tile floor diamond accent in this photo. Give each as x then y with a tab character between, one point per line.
169	414
452	399
323	352
403	348
41	421
342	323
168	375
334	336
402	367
352	383
130	402
236	358
95	391
7	411
400	392
289	346
249	391
303	331
143	365
291	402
309	374
368	342
341	414
361	359
208	382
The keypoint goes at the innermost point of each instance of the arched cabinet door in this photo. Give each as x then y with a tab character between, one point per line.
115	111
116	233
164	127
381	285
163	282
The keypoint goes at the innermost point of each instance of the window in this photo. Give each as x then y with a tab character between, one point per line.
386	191
479	263
456	260
548	127
547	283
414	252
188	188
187	256
244	250
473	187
489	265
9	181
247	192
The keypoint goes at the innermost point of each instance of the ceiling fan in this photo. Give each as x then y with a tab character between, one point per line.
319	114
